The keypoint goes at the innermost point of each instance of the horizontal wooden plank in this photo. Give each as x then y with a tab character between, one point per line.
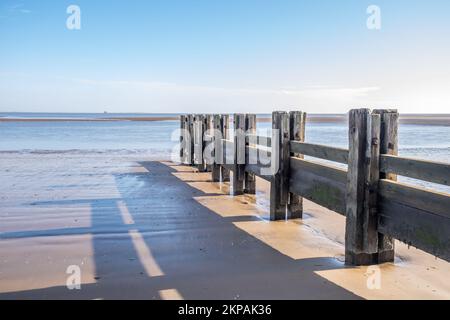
320	151
258	171
258	155
428	232
418	169
228	166
228	151
322	184
260	140
426	200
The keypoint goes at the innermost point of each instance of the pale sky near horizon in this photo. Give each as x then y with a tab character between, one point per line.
224	56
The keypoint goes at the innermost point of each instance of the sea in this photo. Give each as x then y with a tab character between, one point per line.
159	139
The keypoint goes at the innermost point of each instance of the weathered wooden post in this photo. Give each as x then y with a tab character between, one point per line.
361	235
225	126
388	145
205	143
218	148
199	130
356	184
191	129
196	139
208	148
182	138
250	129
297	124
279	185
239	154
187	140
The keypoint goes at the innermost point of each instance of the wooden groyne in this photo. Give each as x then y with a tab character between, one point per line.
378	208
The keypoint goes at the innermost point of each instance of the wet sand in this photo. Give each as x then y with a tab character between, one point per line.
145	229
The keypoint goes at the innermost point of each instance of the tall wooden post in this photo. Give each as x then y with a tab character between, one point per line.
218	148
279	185
196	136
199	130
297	123
186	156
182	138
361	235
191	158
239	154
388	145
250	178
206	118
225	126
208	150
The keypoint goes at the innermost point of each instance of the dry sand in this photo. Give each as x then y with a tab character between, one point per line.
147	229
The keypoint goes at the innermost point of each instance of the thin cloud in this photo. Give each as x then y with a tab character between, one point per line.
311	92
17	8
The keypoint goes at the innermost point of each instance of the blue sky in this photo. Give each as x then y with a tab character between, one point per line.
224	56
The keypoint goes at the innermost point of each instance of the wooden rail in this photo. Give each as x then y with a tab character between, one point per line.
417	169
259	140
320	183
378	209
320	151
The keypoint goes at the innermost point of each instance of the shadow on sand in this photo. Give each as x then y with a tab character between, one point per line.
168	245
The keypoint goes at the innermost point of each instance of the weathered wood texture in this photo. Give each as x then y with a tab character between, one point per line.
388	146
415	197
260	169
239	154
377	208
228	151
279	186
259	140
417	169
199	143
225	130
204	142
192	135
320	151
417	217
320	183
182	138
209	150
361	241
297	124
250	179
218	149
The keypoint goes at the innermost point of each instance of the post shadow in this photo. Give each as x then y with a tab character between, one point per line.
201	254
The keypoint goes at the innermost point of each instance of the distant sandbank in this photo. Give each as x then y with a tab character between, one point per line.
11	119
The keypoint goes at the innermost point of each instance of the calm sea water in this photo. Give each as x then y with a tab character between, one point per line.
158	139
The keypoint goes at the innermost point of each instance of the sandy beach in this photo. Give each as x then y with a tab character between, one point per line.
147	229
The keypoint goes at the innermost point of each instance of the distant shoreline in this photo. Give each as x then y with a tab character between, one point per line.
11	119
436	120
